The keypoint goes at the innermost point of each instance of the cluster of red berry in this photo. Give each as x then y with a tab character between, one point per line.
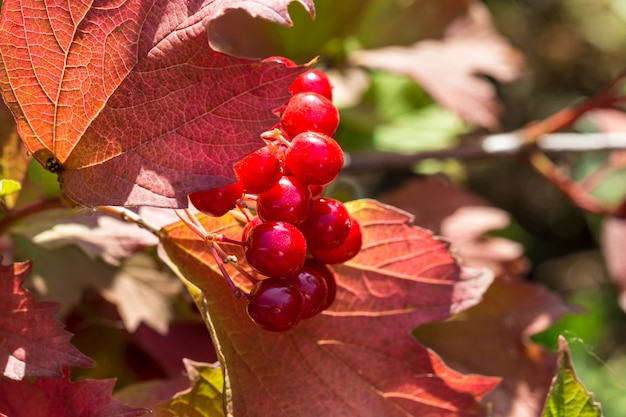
296	232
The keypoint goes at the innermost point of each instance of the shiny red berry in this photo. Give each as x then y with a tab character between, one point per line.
260	170
327	225
315	158
275	249
312	81
288	201
311	283
309	111
344	252
217	201
275	305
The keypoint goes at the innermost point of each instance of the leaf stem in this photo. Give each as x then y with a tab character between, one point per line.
577	193
13	216
220	264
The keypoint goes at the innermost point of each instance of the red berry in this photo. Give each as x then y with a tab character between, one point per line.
275	304
288	201
260	170
309	280
315	158
312	81
275	249
327	225
281	60
344	252
217	201
309	111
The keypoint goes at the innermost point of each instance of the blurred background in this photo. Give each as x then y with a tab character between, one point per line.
419	83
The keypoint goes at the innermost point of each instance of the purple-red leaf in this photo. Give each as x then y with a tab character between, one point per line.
357	358
48	397
130	98
32	342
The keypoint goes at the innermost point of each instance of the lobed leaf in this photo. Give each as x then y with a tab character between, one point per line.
358	357
131	100
32	342
47	397
568	397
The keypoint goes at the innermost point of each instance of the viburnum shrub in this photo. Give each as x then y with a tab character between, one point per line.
182	204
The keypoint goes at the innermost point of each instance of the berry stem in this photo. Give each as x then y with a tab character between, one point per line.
193	223
232	260
220	264
241	209
275	135
218	253
218	237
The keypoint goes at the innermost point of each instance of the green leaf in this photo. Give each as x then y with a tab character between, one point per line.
568	396
9	187
204	397
429	128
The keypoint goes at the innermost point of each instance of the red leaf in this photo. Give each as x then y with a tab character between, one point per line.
48	397
499	328
463	218
448	68
32	342
358	358
130	98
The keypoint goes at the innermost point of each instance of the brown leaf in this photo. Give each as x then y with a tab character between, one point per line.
492	338
48	397
358	357
448	69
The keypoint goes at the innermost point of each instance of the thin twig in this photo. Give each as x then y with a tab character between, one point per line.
510	144
131	217
13	216
578	194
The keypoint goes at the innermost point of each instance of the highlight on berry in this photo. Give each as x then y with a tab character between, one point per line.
292	232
